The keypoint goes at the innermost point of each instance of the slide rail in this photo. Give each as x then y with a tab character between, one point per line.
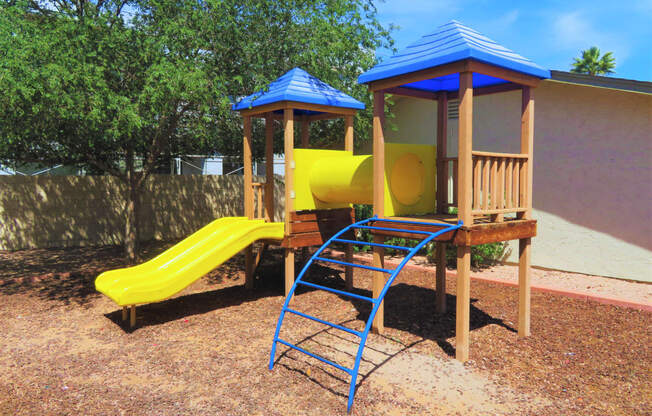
426	237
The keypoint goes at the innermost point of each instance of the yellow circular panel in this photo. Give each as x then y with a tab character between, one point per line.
407	179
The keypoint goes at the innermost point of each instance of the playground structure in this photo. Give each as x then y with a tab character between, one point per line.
406	183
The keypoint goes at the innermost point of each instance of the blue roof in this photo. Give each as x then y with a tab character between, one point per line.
298	85
452	42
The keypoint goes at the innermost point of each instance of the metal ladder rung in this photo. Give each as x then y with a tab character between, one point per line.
322	359
368	227
339	292
361	266
321	321
367	243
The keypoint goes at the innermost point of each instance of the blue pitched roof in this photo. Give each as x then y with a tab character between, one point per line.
450	43
298	85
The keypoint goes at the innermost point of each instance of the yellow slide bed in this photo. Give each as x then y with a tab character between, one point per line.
173	270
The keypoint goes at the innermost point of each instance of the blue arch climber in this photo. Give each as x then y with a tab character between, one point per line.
376	302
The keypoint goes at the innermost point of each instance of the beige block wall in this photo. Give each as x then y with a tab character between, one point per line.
65	211
592	190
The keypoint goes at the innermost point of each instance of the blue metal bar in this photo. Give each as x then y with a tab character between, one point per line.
368	243
369	227
339	292
361	266
321	321
376	302
322	359
381	296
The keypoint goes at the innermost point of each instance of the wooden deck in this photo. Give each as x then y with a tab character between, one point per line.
482	231
310	228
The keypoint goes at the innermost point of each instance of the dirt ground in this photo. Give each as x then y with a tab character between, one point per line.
65	350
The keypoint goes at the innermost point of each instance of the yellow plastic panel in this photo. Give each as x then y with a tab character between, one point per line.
410	178
336	169
173	270
343	179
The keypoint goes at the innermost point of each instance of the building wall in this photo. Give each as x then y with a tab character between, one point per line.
64	211
592	190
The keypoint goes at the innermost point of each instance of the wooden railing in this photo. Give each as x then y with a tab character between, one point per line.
258	201
498	183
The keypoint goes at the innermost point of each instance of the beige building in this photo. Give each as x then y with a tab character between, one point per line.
592	178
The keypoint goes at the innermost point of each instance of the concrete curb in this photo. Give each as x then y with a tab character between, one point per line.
535	288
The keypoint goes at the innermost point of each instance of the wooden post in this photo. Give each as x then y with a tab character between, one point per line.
442	199
442	165
462	314
305	134
465	146
248	199
269	168
288	124
524	258
348	146
132	318
379	278
465	196
440	277
527	147
124	313
524	244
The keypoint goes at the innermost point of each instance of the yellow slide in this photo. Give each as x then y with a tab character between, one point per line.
173	270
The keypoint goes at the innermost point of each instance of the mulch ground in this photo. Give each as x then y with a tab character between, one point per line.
65	350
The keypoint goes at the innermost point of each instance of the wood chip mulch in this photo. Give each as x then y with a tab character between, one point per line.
65	350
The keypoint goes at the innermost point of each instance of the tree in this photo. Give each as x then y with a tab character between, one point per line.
591	63
111	83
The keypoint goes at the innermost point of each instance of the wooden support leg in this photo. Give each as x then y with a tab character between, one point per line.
440	300
289	270
378	283
124	313
132	318
249	267
348	270
462	316
524	258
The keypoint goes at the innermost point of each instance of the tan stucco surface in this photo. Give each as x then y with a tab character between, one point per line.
68	211
592	170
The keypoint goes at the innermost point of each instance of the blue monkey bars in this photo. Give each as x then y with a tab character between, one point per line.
353	372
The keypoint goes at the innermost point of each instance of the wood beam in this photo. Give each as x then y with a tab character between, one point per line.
527	147
428	73
379	279
248	198
463	308
465	148
442	165
524	286
305	133
440	278
379	154
288	124
348	133
411	92
491	89
503	73
269	168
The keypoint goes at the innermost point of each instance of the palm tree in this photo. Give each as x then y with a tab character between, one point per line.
591	63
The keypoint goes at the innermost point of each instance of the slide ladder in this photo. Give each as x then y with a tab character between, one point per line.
376	302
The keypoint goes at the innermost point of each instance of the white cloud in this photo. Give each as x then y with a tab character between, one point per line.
573	31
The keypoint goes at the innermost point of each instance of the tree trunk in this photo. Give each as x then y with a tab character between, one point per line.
132	209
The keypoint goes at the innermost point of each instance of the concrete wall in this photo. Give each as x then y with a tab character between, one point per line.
61	211
592	191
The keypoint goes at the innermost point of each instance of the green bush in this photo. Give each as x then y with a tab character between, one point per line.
482	256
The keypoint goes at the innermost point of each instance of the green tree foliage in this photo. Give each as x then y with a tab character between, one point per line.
111	83
591	63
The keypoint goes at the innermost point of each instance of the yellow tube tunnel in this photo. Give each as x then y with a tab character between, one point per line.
328	179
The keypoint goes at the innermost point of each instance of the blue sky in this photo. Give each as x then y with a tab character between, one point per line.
549	32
